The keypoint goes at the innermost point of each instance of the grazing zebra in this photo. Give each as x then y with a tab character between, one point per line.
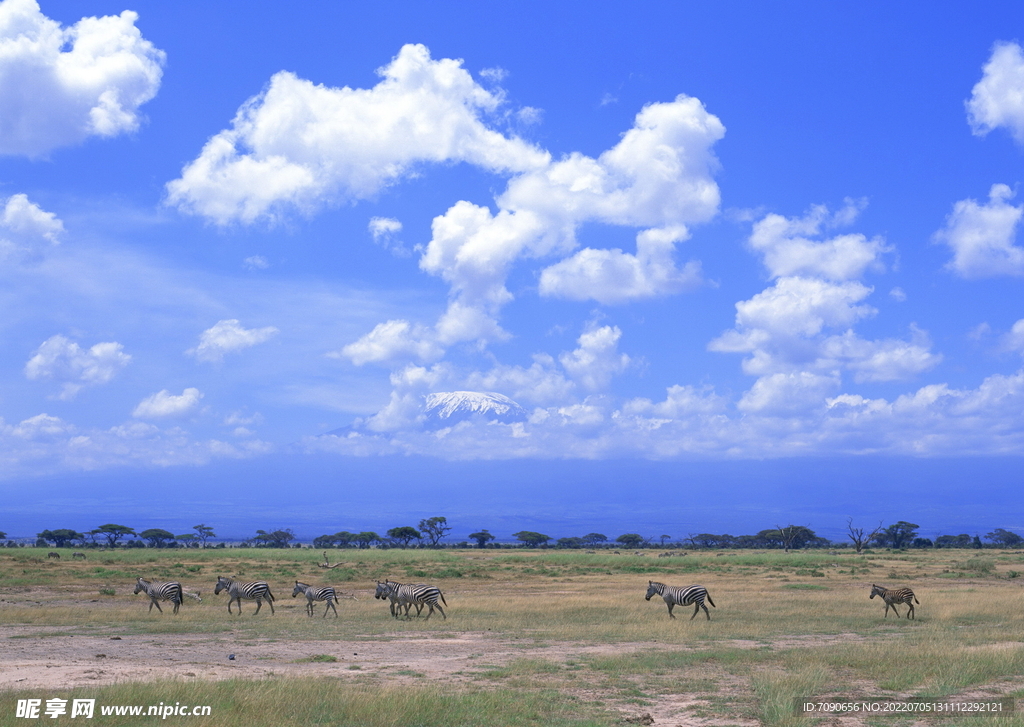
169	591
891	598
76	554
674	596
53	554
409	594
251	591
326	593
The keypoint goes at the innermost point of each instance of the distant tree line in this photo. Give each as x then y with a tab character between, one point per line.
430	532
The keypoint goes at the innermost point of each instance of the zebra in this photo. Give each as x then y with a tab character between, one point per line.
77	554
892	597
325	593
169	591
53	554
251	591
675	595
409	594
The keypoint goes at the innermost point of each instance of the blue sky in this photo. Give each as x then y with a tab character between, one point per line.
734	263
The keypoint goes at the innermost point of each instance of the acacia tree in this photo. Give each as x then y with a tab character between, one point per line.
898	535
435	529
1004	538
189	540
60	538
482	538
204	532
275	539
630	540
531	539
157	537
114	533
404	535
593	539
859	536
365	539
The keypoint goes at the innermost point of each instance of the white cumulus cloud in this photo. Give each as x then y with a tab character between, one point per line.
299	145
229	336
982	236
26	229
165	404
997	100
63	360
59	86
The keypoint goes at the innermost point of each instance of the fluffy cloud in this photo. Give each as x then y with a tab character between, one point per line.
26	229
982	236
164	404
597	359
61	85
298	145
392	341
998	98
65	361
787	328
227	337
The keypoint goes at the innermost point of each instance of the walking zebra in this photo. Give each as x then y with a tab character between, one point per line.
675	595
169	591
251	591
408	594
326	593
891	598
53	554
76	554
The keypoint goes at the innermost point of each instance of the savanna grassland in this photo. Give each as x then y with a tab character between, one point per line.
532	637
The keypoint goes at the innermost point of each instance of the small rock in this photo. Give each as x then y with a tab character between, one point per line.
115	638
101	656
231	657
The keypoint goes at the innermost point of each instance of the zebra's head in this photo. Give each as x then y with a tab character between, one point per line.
140	585
384	589
876	591
222	585
299	588
654	589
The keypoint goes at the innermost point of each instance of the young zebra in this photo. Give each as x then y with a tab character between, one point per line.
326	593
251	591
169	591
891	598
408	594
675	595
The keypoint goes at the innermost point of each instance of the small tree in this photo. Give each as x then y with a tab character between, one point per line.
204	533
1004	538
859	536
482	538
630	540
574	543
275	539
365	539
114	533
435	529
899	535
60	538
531	539
188	540
404	535
663	539
157	537
593	539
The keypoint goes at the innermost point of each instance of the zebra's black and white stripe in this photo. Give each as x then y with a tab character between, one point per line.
894	596
409	594
169	591
313	593
681	596
250	591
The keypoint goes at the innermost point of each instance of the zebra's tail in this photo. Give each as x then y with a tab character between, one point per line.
442	597
916	601
709	600
193	595
270	595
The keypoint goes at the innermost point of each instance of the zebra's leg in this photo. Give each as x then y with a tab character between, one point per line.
330	605
438	606
696	608
706	611
270	602
910	613
177	603
259	605
154	603
670	606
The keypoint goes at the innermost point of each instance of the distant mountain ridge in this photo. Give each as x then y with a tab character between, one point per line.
446	408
